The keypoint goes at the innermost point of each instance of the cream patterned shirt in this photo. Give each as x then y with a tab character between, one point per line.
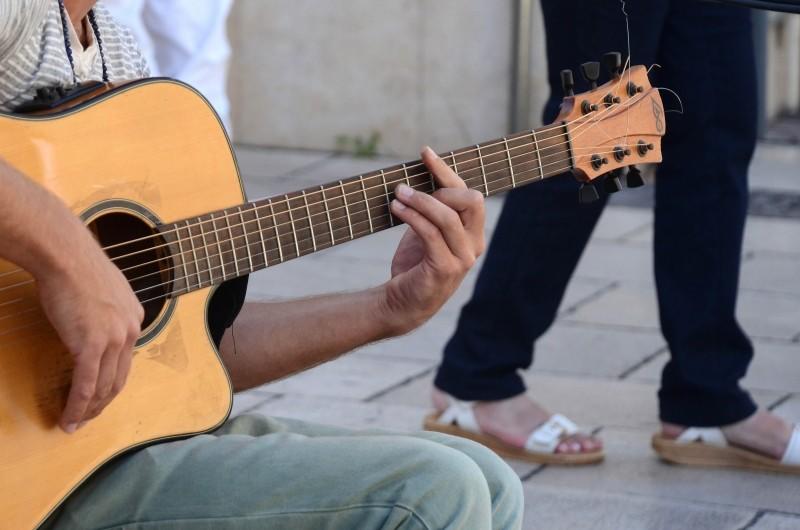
42	61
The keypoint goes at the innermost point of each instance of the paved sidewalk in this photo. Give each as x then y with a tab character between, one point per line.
599	364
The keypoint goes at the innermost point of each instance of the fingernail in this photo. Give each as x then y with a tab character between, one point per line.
404	191
399	206
71	428
430	151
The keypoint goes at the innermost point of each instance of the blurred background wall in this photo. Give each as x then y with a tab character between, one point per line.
323	75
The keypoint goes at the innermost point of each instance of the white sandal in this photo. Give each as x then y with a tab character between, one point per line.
707	446
540	447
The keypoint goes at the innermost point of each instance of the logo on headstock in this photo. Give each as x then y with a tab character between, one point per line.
658	113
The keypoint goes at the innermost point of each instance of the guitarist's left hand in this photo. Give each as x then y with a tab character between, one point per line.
444	239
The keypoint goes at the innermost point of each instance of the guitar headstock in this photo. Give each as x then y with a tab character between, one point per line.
613	126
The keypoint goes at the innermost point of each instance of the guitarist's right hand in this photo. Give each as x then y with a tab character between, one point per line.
98	317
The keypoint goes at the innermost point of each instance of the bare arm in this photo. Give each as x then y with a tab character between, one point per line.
272	340
86	298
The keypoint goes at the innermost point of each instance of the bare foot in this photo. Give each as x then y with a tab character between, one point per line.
513	420
763	432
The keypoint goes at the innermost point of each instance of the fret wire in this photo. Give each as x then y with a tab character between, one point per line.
346	210
246	242
502	188
194	254
219	247
261	237
386	189
208	256
310	225
291	221
366	202
538	154
455	165
328	213
405	172
483	171
510	166
230	233
183	259
277	233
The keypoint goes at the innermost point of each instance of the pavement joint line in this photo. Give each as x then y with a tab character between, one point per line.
643	362
596	325
753	520
780	401
610	286
624	238
404	382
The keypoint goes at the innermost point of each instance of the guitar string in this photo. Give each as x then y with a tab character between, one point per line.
477	172
188	289
405	169
462	174
588	123
480	180
588	120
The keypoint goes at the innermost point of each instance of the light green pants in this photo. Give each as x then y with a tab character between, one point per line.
262	473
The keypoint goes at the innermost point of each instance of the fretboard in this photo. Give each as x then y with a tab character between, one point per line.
226	244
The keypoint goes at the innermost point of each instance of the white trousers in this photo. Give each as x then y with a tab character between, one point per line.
185	40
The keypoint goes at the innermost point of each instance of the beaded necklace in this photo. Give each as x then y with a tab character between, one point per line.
68	45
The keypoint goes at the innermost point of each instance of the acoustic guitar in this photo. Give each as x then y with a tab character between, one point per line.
150	170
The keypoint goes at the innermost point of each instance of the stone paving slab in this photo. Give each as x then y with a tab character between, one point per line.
617	261
632	468
575	349
777	521
774	273
350	377
761	234
775	166
762	314
774	367
616	223
626	306
790	408
565	508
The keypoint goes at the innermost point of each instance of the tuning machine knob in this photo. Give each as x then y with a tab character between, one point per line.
613	63
634	178
568	82
591	72
612	184
587	194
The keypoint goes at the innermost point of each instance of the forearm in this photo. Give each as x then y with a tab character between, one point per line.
272	340
37	232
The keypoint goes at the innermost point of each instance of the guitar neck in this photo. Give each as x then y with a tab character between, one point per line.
219	246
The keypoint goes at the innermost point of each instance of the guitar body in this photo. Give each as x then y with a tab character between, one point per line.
146	153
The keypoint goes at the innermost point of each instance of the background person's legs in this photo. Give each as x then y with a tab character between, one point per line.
183	39
542	230
257	472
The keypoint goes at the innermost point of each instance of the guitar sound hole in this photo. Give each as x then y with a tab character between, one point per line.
141	254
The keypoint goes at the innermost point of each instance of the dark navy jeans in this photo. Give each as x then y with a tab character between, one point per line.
706	55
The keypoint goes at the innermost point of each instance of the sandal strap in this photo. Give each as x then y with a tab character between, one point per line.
460	413
706	435
547	436
792	455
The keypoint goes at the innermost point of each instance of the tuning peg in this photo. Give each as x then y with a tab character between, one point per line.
634	178
568	82
587	194
612	184
613	63
591	72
